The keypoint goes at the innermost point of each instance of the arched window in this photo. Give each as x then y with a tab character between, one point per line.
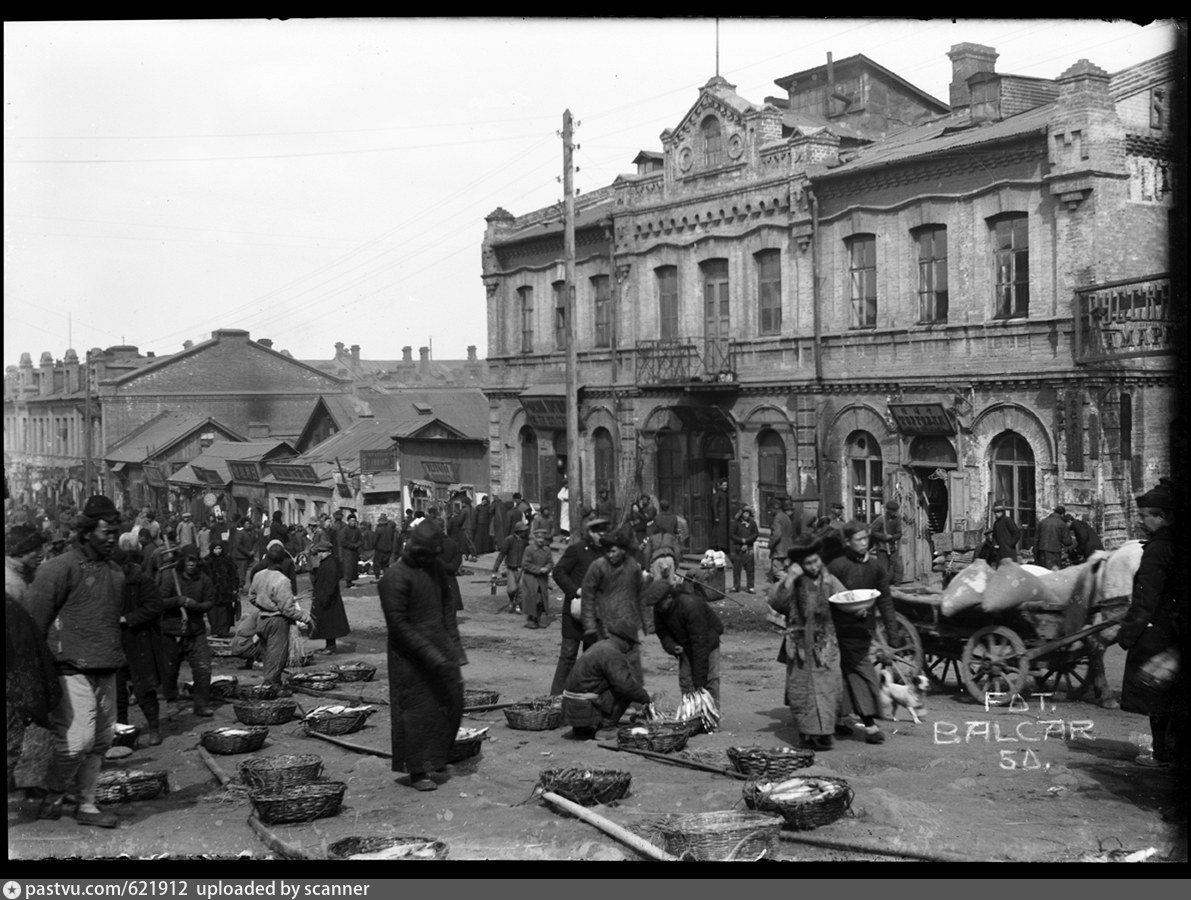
713	145
865	476
531	484
771	472
1013	481
605	463
670	466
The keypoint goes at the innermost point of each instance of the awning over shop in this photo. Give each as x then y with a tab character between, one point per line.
921	418
118	467
704	418
545	406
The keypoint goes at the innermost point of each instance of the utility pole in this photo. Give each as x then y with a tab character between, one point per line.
88	474
574	487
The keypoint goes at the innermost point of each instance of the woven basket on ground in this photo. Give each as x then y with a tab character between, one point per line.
245	739
271	773
355	672
125	736
318	681
657	737
337	723
264	712
722	836
388	848
533	718
225	687
479	697
832	801
467	744
257	692
586	786
694	726
770	763
126	785
298	802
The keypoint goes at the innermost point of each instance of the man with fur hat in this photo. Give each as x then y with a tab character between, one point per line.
187	595
612	599
425	682
76	601
272	594
22	554
568	573
186	531
603	683
512	552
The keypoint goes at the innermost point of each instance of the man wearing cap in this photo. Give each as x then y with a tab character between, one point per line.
187	594
22	554
720	517
1154	627
383	549
568	574
187	533
1005	533
603	683
511	553
688	629
744	537
781	538
76	601
273	596
1052	539
886	535
350	541
612	597
536	565
244	549
326	608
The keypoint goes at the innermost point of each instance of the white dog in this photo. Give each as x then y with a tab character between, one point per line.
911	696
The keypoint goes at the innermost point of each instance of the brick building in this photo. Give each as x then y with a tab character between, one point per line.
856	292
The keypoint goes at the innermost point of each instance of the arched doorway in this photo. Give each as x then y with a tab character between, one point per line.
865	477
605	464
1013	481
771	472
531	484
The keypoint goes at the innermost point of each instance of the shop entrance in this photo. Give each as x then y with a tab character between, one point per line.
935	504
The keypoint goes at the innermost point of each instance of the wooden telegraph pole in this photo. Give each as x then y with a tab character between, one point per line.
88	471
574	487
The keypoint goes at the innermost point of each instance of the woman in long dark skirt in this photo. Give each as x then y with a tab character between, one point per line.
222	572
326	609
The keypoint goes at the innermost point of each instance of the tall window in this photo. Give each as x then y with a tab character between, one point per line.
932	274
715	298
560	314
1011	255
525	308
601	289
670	466
864	456
771	472
713	145
530	482
667	301
1013	481
769	291
605	463
862	255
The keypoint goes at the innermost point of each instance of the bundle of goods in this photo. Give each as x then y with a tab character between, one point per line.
298	802
699	710
387	848
126	785
713	559
479	697
769	763
722	836
536	714
586	786
966	589
356	671
264	712
315	681
334	720
657	737
232	739
224	686
125	735
804	802
1011	585
272	773
467	743
257	692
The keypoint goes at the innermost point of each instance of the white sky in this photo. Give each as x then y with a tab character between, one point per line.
326	180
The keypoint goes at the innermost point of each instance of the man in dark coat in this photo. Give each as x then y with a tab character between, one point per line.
350	541
512	551
1154	628
601	685
481	534
1052	539
501	526
721	518
1005	533
187	594
568	574
278	531
425	682
1087	541
612	599
688	629
76	600
383	549
244	549
744	537
781	539
604	508
886	535
140	632
326	608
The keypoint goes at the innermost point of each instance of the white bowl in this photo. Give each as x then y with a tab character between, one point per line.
855	601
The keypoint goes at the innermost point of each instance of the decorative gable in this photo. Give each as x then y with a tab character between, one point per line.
712	133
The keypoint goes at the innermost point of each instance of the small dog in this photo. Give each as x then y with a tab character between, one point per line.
910	696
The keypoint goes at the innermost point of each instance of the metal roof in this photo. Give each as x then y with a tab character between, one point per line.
159	434
216	456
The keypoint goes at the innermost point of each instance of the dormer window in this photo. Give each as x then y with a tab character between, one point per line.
713	144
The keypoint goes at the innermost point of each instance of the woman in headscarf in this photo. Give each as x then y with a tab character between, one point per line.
225	579
810	648
326	609
425	683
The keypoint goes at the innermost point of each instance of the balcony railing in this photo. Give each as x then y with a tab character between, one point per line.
1126	320
686	361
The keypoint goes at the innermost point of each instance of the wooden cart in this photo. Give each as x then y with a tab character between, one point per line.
1030	648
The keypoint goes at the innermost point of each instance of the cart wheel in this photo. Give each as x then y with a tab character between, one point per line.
938	668
907	656
994	662
1068	671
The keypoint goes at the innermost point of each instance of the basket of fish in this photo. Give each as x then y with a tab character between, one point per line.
467	744
805	802
387	848
335	720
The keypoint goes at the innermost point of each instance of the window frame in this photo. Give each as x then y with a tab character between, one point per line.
866	476
711	130
559	289
602	306
525	315
931	270
862	310
667	318
1011	298
769	291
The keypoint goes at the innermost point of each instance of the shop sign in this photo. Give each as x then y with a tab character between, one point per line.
372	461
440	470
921	418
154	475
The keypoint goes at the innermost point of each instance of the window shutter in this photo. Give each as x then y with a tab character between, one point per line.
733	482
957	502
1093	436
1074	423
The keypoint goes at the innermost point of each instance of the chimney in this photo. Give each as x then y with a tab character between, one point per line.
73	382
356	354
47	374
407	354
230	334
150	354
966	61
186	345
339	345
424	353
471	353
830	86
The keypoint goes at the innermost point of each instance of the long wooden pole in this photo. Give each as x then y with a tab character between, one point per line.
609	827
854	846
677	761
88	450
359	748
574	478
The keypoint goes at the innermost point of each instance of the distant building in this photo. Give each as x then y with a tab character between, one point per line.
229	477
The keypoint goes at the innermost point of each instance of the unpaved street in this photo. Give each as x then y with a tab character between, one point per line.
987	785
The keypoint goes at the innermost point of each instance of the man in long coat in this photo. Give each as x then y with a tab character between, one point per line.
568	573
140	632
351	539
482	535
1005	533
386	532
1053	536
326	608
501	526
721	518
612	597
425	682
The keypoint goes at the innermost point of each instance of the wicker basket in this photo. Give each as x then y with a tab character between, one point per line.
398	847
299	802
770	763
805	814
257	692
264	712
722	836
533	718
355	672
126	785
586	786
479	697
272	773
467	744
225	741
225	688
337	723
125	736
694	726
317	681
658	737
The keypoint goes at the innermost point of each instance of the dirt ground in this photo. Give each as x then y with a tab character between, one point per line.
951	785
